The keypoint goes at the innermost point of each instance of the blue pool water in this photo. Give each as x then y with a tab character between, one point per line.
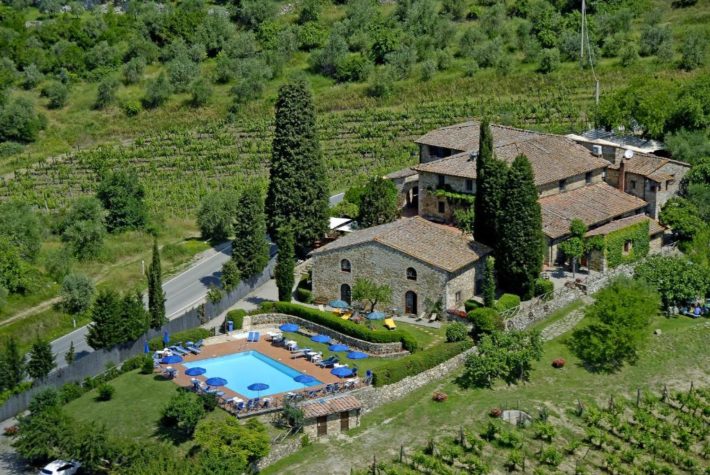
244	369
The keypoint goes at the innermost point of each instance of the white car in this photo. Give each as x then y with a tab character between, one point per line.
61	467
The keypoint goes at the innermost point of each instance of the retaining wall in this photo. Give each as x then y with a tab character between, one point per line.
276	319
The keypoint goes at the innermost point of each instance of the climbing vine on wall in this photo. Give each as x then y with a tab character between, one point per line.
637	235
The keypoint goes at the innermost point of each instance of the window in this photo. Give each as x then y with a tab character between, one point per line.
345	265
457	296
588	178
411	273
633	184
628	246
562	185
442	180
439	152
442	207
469	185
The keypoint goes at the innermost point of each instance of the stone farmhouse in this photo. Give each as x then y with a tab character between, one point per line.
607	187
417	258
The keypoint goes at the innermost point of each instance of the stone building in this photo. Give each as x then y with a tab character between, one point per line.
330	415
418	259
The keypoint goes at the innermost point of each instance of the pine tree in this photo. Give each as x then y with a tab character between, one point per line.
298	191
133	317
519	251
156	295
41	359
12	365
285	263
489	283
250	251
105	328
70	355
490	188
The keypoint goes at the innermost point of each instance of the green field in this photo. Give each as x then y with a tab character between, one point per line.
675	358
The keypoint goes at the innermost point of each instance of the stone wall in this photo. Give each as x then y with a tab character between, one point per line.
465	283
381	265
255	322
429	203
572	183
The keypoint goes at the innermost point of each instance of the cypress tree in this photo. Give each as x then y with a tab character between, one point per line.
105	328
133	318
285	263
490	188
41	359
298	192
12	365
489	283
156	295
250	250
70	355
519	251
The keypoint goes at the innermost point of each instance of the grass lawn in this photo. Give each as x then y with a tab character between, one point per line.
676	357
134	411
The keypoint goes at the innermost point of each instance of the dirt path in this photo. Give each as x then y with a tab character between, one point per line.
28	312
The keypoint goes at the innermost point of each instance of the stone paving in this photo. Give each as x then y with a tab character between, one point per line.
566	323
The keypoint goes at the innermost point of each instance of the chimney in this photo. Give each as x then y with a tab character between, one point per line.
472	156
622	176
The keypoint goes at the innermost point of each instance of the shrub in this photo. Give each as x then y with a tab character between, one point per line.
456	331
550	456
304	295
397	370
439	396
347	327
558	363
472	305
134	363
237	317
194	334
56	93
506	302
147	367
70	391
543	286
209	401
77	293
131	108
485	320
105	392
183	412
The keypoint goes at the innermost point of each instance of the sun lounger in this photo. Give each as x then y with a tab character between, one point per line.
253	337
199	344
179	346
432	318
389	324
421	317
328	362
321	308
346	316
179	351
193	349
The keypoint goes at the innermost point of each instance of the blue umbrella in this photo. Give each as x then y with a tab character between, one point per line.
342	372
338	347
304	379
338	304
171	359
289	327
376	316
357	355
320	338
166	337
216	382
146	348
196	371
258	387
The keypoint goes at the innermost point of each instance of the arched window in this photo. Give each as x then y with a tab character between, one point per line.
411	273
345	265
345	293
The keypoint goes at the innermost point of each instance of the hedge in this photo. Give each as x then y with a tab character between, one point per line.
237	318
304	295
543	286
397	370
485	320
506	302
194	334
347	327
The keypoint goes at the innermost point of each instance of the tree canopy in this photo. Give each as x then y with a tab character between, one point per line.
366	290
677	279
378	202
122	194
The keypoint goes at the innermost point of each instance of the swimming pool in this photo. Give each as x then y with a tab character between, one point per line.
243	369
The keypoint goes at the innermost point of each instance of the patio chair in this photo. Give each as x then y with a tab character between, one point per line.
432	318
266	404
336	387
250	405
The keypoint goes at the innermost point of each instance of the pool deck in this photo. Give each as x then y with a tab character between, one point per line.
225	345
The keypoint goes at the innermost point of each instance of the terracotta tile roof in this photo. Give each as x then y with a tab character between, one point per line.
593	204
648	165
403	173
653	226
553	157
444	247
333	405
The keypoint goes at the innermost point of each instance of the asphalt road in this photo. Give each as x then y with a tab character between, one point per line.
181	292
